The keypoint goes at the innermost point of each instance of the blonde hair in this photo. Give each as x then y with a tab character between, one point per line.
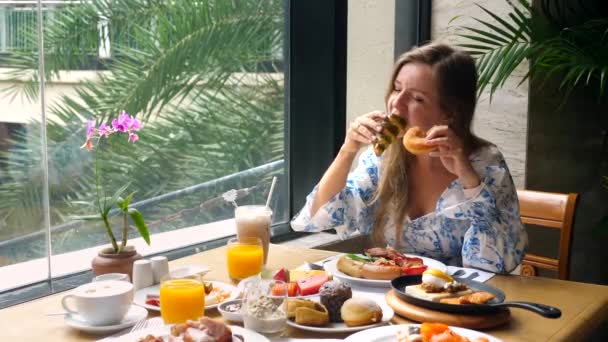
455	76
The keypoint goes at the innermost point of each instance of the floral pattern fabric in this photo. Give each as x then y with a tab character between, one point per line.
478	227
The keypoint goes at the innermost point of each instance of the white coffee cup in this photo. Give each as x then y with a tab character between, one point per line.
113	276
100	303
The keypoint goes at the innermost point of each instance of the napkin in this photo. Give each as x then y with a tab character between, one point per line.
470	273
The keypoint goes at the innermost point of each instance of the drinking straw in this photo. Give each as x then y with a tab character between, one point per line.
274	182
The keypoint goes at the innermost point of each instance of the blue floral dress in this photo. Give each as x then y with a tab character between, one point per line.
478	227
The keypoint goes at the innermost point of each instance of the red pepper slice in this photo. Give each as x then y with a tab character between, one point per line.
414	270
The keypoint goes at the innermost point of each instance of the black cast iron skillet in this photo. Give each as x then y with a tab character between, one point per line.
492	306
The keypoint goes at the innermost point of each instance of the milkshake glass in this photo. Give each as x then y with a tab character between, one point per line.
254	221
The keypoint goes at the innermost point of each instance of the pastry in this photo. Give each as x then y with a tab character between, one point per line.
317	316
360	311
333	295
293	304
414	141
391	128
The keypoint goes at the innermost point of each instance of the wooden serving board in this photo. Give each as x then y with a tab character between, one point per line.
420	314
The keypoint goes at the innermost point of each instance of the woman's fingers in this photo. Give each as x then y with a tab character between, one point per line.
364	128
438	131
438	141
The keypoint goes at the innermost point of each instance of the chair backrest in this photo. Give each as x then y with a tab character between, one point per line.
553	210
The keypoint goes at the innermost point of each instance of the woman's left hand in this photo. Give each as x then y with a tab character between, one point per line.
452	154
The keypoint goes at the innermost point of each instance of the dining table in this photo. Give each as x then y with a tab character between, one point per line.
584	306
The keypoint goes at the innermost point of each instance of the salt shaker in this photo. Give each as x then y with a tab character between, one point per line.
160	267
142	274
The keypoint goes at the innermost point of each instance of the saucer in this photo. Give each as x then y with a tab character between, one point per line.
134	315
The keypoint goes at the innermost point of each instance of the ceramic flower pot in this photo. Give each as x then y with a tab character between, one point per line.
107	261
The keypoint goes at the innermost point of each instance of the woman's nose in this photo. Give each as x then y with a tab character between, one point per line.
400	100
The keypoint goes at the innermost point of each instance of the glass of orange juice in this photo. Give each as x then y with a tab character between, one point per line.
245	257
181	299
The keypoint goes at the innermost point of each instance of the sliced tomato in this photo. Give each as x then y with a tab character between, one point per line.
414	270
292	289
311	285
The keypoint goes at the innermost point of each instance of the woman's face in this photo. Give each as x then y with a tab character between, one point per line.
414	96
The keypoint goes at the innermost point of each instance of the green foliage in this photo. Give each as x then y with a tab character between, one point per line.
577	54
189	69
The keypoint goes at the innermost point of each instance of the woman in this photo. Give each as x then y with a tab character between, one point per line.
457	204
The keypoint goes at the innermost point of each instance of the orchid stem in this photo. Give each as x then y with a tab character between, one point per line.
101	211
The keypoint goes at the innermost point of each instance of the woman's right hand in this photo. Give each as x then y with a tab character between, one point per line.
362	131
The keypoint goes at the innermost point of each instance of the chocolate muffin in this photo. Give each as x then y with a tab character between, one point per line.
333	294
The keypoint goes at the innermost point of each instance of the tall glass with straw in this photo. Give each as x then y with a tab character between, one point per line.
253	221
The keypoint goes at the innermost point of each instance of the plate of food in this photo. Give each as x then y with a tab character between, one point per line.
419	333
434	289
378	266
337	309
203	329
215	293
299	283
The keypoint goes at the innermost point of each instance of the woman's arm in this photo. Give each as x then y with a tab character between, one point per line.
496	238
334	179
361	132
349	210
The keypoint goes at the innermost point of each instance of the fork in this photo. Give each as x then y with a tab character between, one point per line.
318	265
141	324
148	323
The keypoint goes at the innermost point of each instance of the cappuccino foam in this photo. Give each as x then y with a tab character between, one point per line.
104	288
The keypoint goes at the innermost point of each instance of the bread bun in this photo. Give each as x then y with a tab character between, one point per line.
358	269
360	311
351	267
414	141
380	272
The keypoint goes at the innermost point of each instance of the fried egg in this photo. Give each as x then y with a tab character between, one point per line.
436	277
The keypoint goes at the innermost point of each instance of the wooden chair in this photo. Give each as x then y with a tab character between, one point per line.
553	210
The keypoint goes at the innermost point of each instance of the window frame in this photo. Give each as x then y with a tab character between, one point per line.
315	55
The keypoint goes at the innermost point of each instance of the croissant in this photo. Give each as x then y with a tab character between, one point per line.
391	128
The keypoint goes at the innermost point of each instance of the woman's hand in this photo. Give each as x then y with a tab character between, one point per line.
362	131
452	154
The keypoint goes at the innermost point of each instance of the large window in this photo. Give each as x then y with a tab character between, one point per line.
205	77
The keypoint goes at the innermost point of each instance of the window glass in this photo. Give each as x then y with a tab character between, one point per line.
203	78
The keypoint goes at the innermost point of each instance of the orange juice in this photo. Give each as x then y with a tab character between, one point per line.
181	300
244	260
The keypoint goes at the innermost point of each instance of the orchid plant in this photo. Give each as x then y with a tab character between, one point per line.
124	124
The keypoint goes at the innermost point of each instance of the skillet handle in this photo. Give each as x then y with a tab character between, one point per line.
541	309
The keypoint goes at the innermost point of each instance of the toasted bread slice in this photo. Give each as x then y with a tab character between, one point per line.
417	291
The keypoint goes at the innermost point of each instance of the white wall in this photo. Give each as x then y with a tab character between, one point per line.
371	26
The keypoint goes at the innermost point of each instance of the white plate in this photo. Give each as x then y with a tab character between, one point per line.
165	331
141	294
389	334
134	315
387	315
332	267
